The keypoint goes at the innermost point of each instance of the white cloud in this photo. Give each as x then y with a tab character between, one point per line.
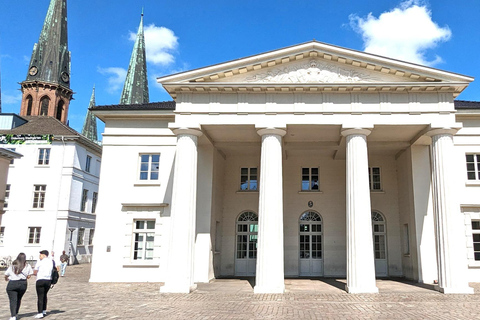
116	77
11	98
160	43
404	33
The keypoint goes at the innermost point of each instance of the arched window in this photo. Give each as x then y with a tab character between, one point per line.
247	238
44	102
379	235
60	110
29	102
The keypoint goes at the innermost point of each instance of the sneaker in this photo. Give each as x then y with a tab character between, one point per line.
44	312
38	316
13	318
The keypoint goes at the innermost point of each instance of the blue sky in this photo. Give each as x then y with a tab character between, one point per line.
184	35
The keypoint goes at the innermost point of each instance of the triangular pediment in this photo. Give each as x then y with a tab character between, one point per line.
313	64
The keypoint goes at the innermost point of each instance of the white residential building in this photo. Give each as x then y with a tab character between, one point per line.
312	160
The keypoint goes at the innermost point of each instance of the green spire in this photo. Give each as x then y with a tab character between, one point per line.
135	89
50	60
89	129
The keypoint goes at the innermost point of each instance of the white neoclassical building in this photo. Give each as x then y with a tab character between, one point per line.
308	161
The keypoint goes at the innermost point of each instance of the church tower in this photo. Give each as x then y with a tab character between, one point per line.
46	91
135	89
89	129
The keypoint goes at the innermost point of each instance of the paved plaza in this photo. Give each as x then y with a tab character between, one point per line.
75	298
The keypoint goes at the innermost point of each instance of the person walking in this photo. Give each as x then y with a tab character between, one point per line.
43	271
17	275
63	263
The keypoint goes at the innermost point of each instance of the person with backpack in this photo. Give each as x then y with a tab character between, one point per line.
43	271
17	275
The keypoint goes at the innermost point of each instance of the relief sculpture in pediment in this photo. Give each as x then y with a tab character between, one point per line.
312	72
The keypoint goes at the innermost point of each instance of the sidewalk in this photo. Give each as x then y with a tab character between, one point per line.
75	298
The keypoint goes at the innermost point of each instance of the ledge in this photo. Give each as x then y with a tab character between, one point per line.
310	192
472	183
144	205
141	265
246	191
146	184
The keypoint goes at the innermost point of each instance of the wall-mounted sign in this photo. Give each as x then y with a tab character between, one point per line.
26	138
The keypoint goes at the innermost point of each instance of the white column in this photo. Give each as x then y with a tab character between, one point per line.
450	235
360	258
180	269
270	270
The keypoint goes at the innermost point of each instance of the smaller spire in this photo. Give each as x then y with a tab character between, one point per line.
89	129
135	89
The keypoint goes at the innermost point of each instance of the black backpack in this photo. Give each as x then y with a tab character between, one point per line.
55	274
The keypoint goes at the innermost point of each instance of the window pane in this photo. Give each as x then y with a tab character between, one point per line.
476	225
140	225
150	224
305	171
156	158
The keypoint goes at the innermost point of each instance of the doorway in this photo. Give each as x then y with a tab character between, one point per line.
246	244
310	244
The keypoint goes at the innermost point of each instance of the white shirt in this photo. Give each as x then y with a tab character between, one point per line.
21	276
44	269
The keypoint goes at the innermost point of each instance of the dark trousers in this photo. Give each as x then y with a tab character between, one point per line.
42	287
15	291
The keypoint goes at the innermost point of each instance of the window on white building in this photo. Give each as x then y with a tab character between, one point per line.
88	163
80	236
39	195
143	238
476	239
83	204
2	235
43	156
149	166
34	235
248	179
94	202
7	196
473	166
90	236
310	180
374	178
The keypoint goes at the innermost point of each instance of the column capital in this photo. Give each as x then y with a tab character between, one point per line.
185	130
442	130
272	130
349	131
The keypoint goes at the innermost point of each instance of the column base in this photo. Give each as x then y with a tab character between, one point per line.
171	288
361	289
459	290
269	289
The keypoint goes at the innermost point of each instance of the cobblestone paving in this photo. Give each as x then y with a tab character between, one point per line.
75	298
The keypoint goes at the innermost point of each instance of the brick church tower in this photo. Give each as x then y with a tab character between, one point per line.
46	91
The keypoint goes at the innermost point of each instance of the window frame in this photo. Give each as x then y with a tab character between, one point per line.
83	203
81	237
94	201
37	233
250	185
7	195
313	183
43	157
88	163
371	182
39	196
476	231
146	232
2	235
476	166
149	171
91	234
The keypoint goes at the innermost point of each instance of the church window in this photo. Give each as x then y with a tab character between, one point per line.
34	235
143	238
310	180
44	102
60	110
149	166
248	179
7	195
88	163
476	239
80	236
473	166
374	178
2	235
29	101
39	196
43	156
83	205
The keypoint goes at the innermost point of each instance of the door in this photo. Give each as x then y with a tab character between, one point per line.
379	244
310	245
246	244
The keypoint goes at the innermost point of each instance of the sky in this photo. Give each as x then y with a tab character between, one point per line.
186	35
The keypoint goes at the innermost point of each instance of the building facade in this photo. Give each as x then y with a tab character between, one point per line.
308	161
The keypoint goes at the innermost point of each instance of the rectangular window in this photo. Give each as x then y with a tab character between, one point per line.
476	239
473	166
43	157
87	163
310	179
143	237
94	202
34	235
374	178
90	236
149	166
248	179
406	240
7	195
80	236
2	235
39	195
83	205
